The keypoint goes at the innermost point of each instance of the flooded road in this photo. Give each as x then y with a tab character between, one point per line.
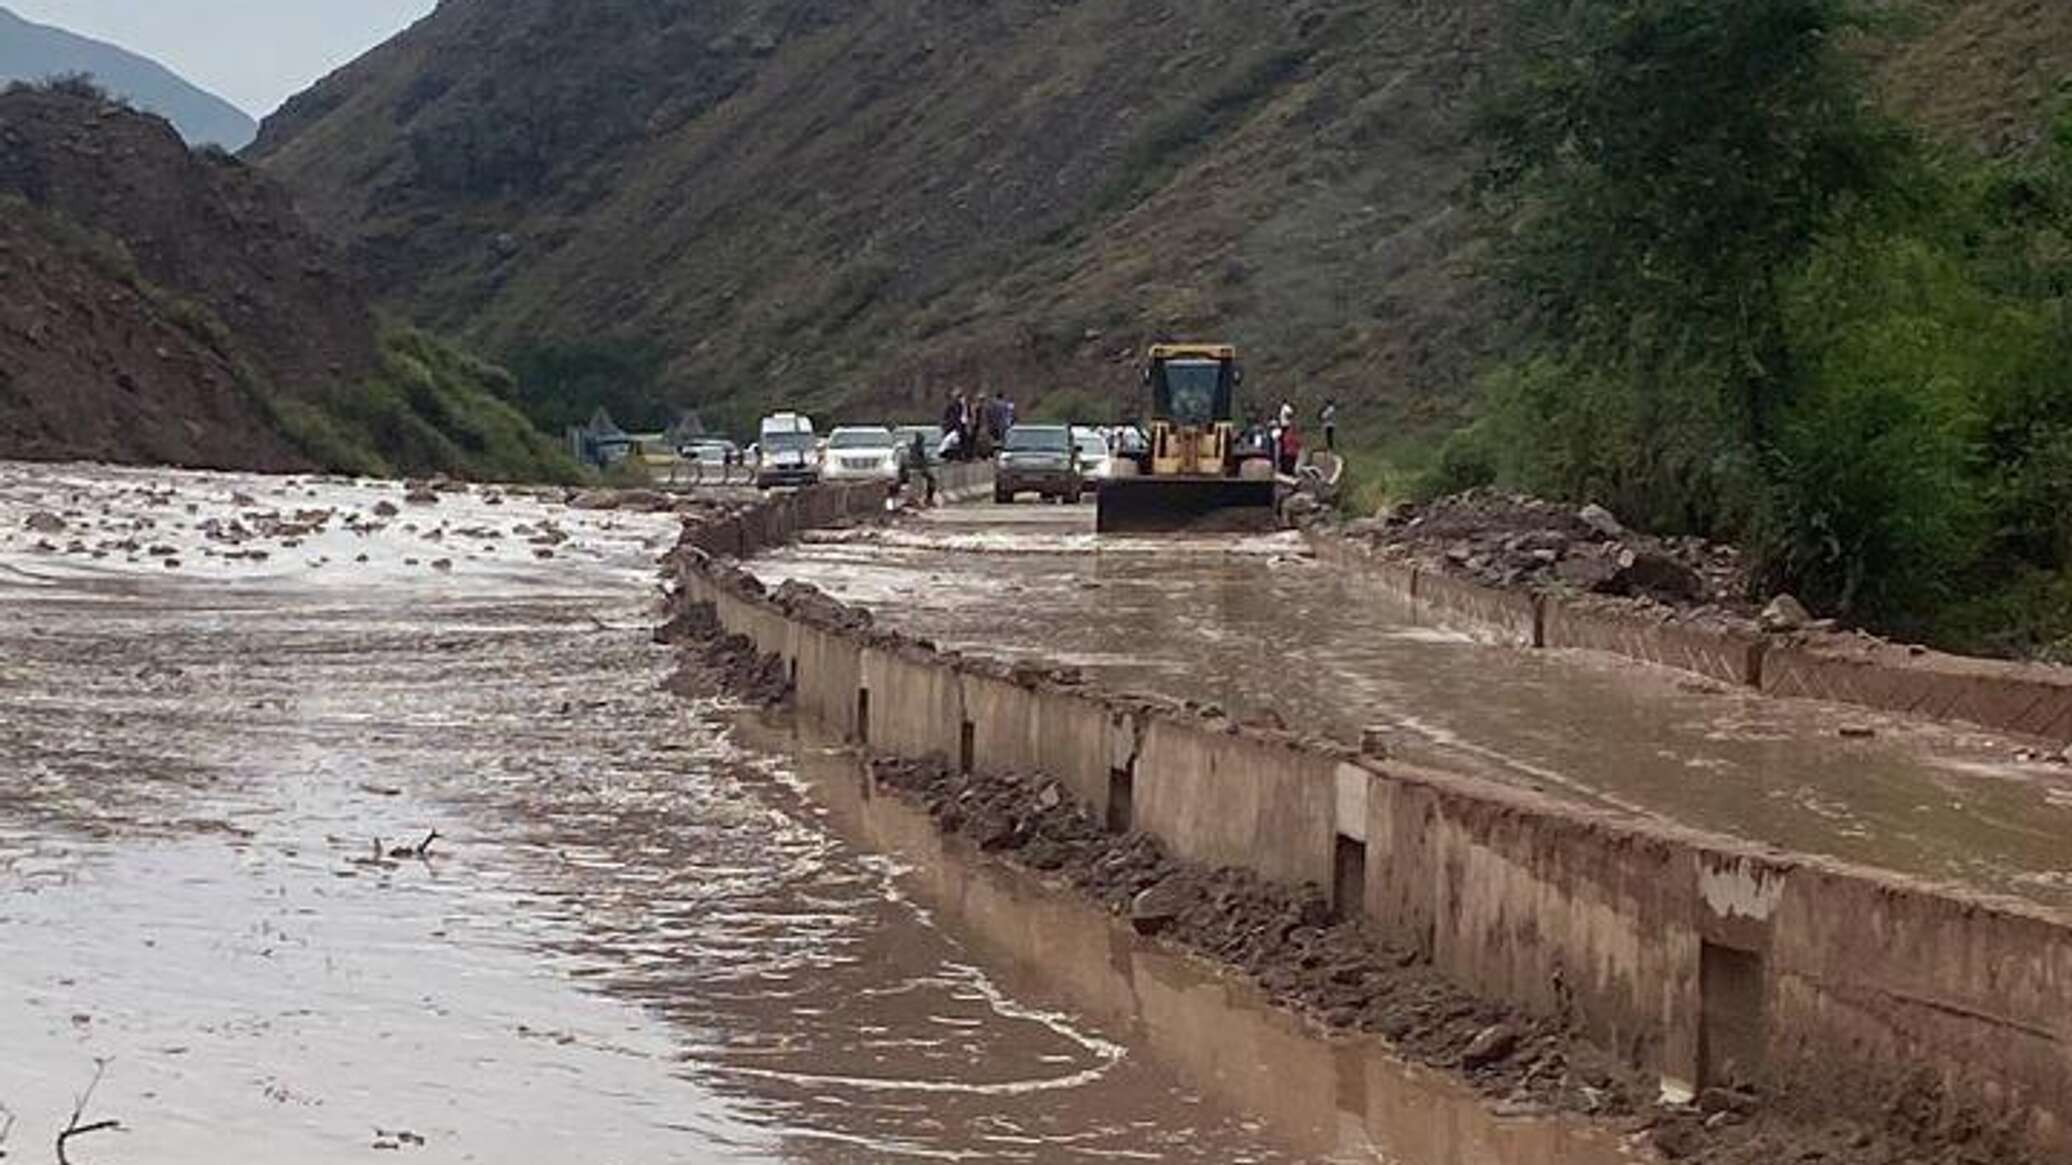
1253	624
633	938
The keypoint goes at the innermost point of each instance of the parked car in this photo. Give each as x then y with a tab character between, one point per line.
1037	459
788	453
862	453
712	454
1096	460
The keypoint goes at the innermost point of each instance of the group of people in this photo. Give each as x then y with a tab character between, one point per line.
1284	435
972	429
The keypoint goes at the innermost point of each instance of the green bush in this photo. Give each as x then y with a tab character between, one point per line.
1754	310
429	409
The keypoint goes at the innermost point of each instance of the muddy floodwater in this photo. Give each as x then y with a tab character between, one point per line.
1252	623
642	932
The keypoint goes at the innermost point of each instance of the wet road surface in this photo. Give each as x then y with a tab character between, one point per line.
634	938
1253	624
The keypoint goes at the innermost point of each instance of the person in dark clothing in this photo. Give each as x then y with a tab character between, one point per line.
956	418
917	463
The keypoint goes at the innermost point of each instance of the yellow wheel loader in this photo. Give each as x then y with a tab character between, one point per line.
1193	475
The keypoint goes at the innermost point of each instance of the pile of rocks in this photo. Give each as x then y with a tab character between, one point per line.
1511	540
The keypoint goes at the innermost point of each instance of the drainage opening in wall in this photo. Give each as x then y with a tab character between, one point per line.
967	746
794	672
1348	877
1122	797
863	715
1730	1016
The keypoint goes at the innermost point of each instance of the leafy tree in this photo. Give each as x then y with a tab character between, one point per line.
1657	167
561	383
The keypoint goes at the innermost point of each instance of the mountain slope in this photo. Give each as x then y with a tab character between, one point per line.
35	52
163	305
869	202
860	205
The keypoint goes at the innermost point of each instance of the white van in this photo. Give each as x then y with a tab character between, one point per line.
787	453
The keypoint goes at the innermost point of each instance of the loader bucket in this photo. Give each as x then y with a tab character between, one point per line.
1162	505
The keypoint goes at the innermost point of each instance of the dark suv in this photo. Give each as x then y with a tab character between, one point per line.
1037	459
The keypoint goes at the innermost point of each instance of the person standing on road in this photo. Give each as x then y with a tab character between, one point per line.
917	463
1330	420
1291	448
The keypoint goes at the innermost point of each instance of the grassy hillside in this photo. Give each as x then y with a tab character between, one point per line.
866	203
870	202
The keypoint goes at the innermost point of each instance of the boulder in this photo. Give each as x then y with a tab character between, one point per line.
1657	575
1784	613
1155	909
1592	571
45	522
1601	520
1492	1045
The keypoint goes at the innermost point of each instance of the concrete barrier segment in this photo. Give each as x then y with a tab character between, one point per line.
1709	961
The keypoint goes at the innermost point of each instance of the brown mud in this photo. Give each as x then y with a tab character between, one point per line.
1341	977
631	941
1257	629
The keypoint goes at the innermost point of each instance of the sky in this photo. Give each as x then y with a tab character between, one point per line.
253	53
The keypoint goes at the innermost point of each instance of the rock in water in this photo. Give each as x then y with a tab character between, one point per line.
45	522
1155	909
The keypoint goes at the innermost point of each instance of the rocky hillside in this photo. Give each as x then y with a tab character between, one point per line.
169	306
37	52
799	200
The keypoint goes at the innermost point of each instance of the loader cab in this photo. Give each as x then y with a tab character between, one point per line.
1193	391
1193	386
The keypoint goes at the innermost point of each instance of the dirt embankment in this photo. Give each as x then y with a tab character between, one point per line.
157	305
1286	941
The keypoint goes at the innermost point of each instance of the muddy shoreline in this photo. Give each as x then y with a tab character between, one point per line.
1343	979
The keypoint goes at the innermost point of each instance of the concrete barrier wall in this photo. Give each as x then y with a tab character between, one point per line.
1727	656
1542	906
1693	956
1227	800
1512	617
2032	699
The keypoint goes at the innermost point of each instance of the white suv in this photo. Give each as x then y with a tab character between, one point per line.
861	453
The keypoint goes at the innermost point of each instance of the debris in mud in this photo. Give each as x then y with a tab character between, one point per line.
398	1139
73	1126
713	662
1513	540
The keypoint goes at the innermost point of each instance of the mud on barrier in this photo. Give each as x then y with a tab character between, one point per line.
2032	699
1836	990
